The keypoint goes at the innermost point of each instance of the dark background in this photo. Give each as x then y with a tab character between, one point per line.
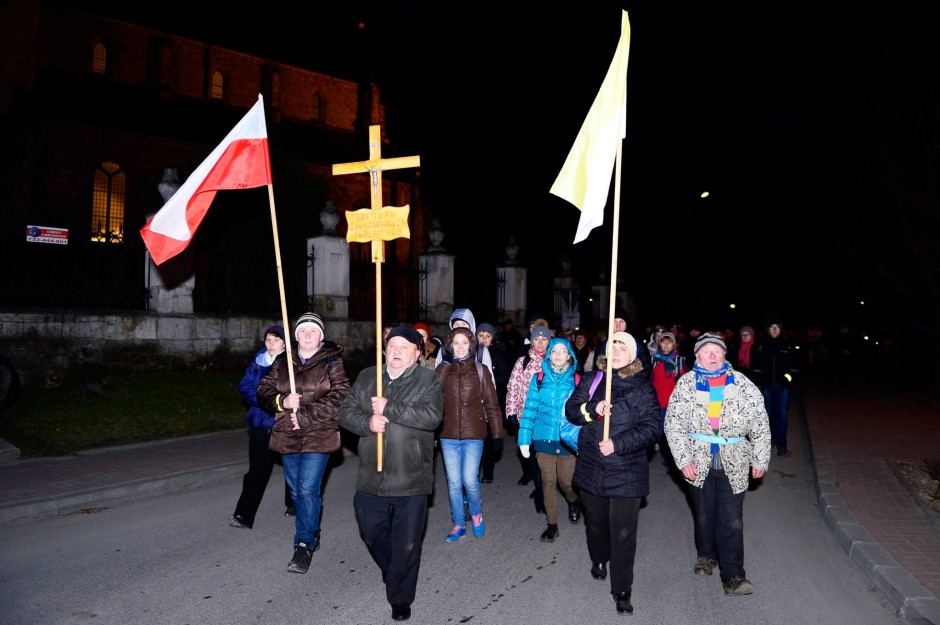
814	128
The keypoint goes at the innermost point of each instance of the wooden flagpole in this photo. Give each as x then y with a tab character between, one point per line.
280	286
613	288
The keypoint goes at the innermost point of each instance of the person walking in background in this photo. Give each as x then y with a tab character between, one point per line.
612	474
522	372
469	402
742	357
540	432
583	352
668	367
487	336
260	459
305	430
392	505
620	325
463	318
774	367
719	434
424	330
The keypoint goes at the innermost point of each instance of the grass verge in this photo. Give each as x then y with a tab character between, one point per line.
123	409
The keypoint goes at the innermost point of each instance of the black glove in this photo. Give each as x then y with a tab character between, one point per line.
497	445
514	419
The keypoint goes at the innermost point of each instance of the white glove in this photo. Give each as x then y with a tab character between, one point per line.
525	450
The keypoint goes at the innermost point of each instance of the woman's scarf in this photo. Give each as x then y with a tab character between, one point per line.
670	362
744	354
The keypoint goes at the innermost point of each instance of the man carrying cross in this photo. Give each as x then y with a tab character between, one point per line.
395	408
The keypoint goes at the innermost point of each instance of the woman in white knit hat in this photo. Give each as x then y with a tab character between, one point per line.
305	429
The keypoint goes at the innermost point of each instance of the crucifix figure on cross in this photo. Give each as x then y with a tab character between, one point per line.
377	224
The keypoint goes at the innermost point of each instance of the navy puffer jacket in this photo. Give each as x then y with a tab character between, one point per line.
634	426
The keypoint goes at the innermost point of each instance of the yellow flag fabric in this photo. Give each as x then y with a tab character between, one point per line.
584	179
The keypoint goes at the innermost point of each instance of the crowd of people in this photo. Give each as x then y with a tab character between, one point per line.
585	419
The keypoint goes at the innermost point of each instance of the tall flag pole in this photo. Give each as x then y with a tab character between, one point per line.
584	179
241	161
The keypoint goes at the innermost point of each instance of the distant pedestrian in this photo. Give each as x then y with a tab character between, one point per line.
488	337
719	435
668	367
305	430
775	368
392	505
261	460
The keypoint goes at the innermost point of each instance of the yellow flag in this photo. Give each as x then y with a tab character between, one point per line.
584	179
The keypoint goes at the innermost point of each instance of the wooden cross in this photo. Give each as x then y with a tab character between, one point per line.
374	167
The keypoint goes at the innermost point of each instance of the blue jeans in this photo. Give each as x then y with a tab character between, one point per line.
777	402
304	473
462	465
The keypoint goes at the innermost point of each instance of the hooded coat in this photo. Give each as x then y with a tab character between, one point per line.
540	423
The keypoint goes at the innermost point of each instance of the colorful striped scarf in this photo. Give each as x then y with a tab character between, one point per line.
710	386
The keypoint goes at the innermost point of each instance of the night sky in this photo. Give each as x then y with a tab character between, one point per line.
814	130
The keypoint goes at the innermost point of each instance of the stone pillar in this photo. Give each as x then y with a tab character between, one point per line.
328	276
602	301
511	294
437	276
438	272
567	308
171	285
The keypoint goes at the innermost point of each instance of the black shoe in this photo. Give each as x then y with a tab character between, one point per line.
540	501
237	520
599	570
290	511
486	480
401	612
574	512
524	480
550	534
784	452
301	560
623	603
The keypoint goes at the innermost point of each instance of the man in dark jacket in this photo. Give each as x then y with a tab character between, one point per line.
774	368
392	505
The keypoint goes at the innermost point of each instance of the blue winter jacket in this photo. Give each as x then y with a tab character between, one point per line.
256	417
544	410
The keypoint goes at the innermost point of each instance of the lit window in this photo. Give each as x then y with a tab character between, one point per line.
218	85
107	207
99	58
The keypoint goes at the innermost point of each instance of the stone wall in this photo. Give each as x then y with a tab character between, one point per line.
49	348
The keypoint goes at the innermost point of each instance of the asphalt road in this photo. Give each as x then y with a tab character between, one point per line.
174	560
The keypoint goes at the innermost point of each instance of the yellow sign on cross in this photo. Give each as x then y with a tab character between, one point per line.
387	223
374	167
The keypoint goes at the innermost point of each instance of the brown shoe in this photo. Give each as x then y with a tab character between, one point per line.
738	586
704	566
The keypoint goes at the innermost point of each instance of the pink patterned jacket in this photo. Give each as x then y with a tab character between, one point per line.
519	383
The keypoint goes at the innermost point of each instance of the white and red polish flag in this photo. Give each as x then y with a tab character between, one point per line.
241	161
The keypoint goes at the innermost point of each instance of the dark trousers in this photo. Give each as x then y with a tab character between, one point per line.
611	535
665	454
488	459
260	464
393	530
777	402
719	523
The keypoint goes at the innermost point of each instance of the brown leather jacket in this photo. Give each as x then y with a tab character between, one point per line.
464	400
323	385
